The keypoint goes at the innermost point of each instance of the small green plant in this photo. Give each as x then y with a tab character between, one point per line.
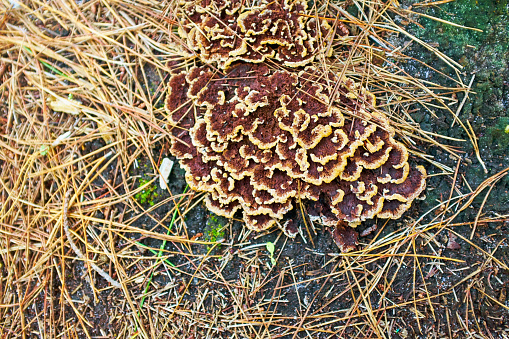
43	150
271	248
148	194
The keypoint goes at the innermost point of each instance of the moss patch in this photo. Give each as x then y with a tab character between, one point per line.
215	229
496	137
148	195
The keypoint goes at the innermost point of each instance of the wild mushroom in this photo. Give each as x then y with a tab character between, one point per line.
259	137
225	31
267	138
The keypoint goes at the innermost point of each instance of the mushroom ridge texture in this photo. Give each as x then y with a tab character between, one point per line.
260	139
225	31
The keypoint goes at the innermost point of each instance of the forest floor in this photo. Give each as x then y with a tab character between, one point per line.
82	87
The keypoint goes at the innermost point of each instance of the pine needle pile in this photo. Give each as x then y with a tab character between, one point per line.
92	245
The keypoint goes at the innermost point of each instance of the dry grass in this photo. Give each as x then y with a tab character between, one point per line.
81	93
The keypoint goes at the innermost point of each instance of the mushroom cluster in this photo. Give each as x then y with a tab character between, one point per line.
261	137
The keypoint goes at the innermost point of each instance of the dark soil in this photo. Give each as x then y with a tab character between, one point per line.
467	304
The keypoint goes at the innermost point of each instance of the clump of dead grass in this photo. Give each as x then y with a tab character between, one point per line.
81	105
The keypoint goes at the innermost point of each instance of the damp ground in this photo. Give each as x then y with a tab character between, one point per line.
446	298
417	278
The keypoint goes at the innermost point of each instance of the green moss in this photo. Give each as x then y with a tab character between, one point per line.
148	194
486	15
214	231
496	137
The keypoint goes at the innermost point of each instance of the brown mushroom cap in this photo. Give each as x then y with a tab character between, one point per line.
259	140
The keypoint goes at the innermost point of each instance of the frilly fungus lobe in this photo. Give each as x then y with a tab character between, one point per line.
225	31
261	138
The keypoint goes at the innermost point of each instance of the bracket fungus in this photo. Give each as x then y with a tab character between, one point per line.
260	137
225	31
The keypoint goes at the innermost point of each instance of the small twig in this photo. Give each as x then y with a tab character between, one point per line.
476	147
464	100
480	211
77	251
